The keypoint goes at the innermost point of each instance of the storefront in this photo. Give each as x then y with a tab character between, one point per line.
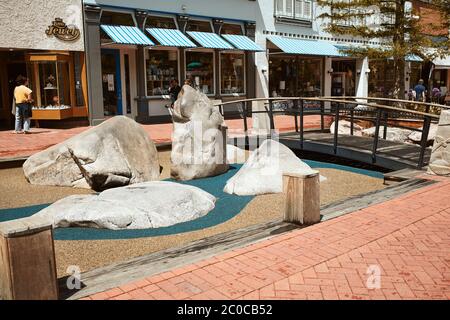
51	56
213	54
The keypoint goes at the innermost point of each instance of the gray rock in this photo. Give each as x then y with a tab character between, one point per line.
115	153
144	205
393	134
199	137
344	127
263	171
416	136
440	154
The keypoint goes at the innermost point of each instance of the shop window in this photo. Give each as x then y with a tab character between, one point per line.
381	78
162	67
197	25
200	70
117	18
415	74
160	22
232	73
228	28
343	78
295	76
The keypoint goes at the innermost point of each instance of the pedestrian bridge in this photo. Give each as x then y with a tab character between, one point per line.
379	112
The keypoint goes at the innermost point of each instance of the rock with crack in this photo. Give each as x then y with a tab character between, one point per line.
344	127
153	204
393	134
440	154
116	153
263	171
199	137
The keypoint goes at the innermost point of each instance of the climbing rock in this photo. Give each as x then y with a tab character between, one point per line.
199	137
144	205
440	154
263	171
115	153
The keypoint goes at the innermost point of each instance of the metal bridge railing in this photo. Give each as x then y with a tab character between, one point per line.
342	107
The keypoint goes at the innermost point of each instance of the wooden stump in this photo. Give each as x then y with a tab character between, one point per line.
302	204
27	260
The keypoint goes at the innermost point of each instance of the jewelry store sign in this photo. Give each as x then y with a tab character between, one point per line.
62	31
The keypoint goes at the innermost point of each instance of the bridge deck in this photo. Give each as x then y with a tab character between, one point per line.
390	155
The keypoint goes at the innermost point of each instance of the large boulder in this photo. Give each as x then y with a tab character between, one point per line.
393	134
115	153
440	154
263	171
145	205
199	137
344	127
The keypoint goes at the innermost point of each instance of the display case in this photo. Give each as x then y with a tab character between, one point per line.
50	79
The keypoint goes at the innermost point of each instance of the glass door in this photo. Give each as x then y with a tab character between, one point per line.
112	85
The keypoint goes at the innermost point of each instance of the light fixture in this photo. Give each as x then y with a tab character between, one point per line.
330	71
183	7
368	71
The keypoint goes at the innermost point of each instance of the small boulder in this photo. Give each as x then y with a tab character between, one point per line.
116	153
440	154
393	134
144	205
344	127
263	171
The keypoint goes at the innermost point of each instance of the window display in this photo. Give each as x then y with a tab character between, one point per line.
381	78
162	67
200	70
50	84
295	76
232	73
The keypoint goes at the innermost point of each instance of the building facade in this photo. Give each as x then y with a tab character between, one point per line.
49	50
136	48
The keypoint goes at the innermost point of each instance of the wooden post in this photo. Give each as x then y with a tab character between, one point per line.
302	203
27	260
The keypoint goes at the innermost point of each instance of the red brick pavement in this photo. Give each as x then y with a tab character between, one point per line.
19	145
407	238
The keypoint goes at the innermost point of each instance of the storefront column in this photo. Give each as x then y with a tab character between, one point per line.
217	24
143	115
328	66
94	63
250	63
363	74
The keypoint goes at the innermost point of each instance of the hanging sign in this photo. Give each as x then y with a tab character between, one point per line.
62	31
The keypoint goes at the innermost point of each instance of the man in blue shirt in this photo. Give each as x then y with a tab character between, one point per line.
420	91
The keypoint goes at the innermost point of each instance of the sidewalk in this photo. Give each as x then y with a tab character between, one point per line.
15	146
407	239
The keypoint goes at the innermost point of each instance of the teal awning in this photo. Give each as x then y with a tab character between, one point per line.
307	47
242	42
171	37
209	40
127	35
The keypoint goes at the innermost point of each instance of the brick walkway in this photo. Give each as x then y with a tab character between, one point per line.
407	238
14	146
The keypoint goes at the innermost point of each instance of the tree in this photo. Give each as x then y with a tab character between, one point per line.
393	23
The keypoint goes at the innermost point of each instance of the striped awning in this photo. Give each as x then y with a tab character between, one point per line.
442	63
242	42
127	35
209	40
171	37
307	47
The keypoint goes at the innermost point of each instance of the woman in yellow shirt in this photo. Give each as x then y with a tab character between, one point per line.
23	98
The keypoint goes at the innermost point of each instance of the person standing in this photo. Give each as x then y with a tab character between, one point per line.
420	91
174	90
23	100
